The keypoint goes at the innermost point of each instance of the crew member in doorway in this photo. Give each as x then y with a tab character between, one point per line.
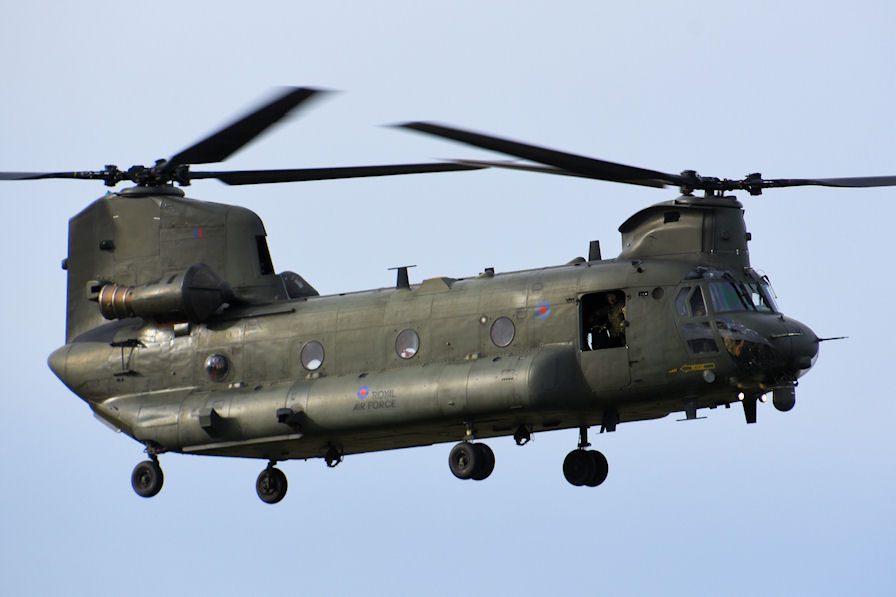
606	324
615	314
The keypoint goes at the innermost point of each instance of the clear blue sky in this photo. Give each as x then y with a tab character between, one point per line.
800	503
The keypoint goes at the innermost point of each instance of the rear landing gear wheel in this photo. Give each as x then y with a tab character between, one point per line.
578	467
486	462
147	478
464	460
271	485
585	467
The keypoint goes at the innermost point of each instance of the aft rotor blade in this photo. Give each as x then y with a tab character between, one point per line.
39	175
239	177
576	164
219	146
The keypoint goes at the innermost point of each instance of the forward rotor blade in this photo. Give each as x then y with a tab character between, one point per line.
853	182
548	170
576	164
221	145
239	177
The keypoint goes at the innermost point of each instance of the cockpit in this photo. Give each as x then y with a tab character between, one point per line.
721	312
721	295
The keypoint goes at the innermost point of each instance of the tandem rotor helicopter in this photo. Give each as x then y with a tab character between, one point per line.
181	333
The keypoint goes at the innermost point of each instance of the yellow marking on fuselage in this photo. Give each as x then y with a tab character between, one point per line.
693	367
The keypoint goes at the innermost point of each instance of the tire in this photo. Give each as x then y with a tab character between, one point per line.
271	485
464	460
147	478
579	467
486	463
601	469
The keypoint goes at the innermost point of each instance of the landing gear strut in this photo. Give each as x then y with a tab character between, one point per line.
749	403
585	467
147	477
471	461
271	484
333	456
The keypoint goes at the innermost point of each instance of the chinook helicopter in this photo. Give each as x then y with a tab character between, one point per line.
181	334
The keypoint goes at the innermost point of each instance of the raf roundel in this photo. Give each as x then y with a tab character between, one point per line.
364	392
542	310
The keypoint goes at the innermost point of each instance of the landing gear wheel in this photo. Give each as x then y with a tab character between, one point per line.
464	460
147	478
579	467
601	468
486	462
271	485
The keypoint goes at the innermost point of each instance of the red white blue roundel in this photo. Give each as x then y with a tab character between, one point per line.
364	392
542	310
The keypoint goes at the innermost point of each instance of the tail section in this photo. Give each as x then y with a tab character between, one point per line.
144	237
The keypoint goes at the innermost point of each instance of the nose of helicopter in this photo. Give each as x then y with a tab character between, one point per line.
769	348
797	344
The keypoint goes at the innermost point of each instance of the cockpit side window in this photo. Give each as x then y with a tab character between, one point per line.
697	334
699	337
698	306
694	306
681	302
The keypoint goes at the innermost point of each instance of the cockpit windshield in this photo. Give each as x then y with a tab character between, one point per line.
761	296
761	292
727	296
733	295
725	292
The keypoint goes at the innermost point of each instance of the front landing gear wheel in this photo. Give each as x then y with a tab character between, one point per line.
147	478
271	485
601	468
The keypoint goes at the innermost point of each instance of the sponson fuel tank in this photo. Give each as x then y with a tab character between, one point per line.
271	418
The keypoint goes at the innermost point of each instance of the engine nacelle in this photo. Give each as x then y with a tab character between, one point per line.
192	296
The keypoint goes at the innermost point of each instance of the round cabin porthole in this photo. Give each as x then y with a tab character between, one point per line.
312	355
502	332
217	366
407	343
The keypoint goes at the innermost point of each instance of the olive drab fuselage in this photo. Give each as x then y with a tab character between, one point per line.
181	333
236	360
